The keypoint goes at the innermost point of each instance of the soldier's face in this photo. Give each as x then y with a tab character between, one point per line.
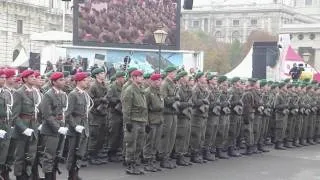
2	80
85	83
138	79
156	83
30	80
202	80
11	80
60	83
184	79
121	80
172	74
191	82
101	76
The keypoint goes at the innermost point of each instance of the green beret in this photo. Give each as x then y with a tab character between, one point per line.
199	75
263	83
182	73
146	75
302	85
295	84
252	80
210	77
309	87
49	73
177	78
97	71
66	73
235	79
281	84
270	82
170	69
287	80
120	74
113	78
222	79
274	85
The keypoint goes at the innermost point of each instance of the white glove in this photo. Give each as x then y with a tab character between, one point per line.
2	133
63	130
28	132
40	127
79	128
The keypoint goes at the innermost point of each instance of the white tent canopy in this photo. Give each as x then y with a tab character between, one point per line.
51	36
21	60
244	69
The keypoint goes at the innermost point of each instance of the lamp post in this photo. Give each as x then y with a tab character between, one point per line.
160	38
306	57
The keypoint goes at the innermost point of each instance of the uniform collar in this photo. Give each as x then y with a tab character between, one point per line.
80	90
57	91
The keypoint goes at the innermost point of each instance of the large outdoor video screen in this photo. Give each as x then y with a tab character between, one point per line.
126	23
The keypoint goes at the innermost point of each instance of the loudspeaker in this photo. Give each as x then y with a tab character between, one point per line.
188	4
34	61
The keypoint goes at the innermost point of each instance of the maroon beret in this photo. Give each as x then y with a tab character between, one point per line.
56	75
26	73
136	73
9	72
80	76
155	77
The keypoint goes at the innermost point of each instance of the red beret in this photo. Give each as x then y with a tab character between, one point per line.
18	79
155	77
80	76
56	75
9	72
1	72
26	73
136	73
36	74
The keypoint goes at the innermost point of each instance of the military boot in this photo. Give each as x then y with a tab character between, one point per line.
149	166
208	156
303	142
220	154
248	151
180	161
165	163
317	140
296	143
74	175
288	144
310	141
262	149
93	160
48	176
156	166
232	152
279	146
196	158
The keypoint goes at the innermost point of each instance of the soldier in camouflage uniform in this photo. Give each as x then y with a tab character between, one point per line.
54	103
184	117
248	115
24	116
258	117
305	109
224	121
281	112
98	116
5	126
168	91
115	117
312	116
70	85
77	119
298	124
317	121
265	95
292	116
236	116
155	105
213	119
135	114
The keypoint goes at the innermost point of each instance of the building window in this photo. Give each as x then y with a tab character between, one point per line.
308	2
254	22
218	34
300	36
19	26
236	22
196	24
218	23
235	35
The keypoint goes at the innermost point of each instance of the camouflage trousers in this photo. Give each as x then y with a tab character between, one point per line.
168	136
305	124
280	126
298	126
115	132
223	130
291	127
135	141
247	128
73	153
97	129
234	129
311	125
50	148
198	130
257	124
211	132
317	127
264	129
152	142
183	135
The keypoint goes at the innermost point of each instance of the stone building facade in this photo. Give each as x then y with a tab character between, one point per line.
21	18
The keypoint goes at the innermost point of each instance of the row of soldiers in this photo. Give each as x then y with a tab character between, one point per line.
148	116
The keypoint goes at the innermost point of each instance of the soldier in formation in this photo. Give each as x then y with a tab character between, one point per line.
147	118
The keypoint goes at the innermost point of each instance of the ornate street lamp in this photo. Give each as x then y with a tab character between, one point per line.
160	38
